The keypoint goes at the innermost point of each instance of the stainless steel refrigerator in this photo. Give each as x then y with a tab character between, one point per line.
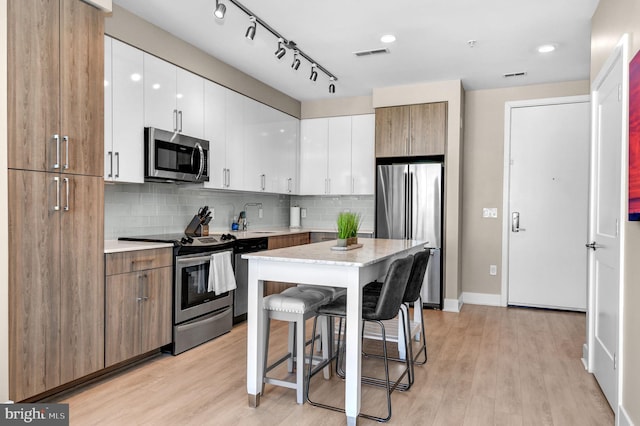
409	206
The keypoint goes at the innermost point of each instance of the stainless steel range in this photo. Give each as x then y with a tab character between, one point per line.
199	314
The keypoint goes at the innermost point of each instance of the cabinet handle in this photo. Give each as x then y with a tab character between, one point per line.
329	186
180	117
145	294
66	184
57	181
56	138
147	260
263	179
110	154
117	164
175	120
66	143
140	288
228	178
289	185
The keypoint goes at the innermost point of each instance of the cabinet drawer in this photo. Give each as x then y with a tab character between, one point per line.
131	261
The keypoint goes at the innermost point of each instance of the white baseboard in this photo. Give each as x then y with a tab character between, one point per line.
452	305
481	299
623	417
585	356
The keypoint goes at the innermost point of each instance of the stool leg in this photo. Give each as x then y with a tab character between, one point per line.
402	353
300	348
326	334
291	346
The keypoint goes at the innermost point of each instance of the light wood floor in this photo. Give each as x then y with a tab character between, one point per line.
487	366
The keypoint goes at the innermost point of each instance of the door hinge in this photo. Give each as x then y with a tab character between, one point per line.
619	92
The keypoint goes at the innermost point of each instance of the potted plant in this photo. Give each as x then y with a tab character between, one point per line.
348	226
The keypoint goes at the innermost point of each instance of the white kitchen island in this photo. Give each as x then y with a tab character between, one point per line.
319	265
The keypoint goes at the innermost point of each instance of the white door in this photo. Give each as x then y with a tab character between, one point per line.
190	103
339	156
548	203
215	132
605	206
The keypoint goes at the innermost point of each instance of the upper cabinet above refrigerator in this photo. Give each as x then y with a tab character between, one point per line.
411	130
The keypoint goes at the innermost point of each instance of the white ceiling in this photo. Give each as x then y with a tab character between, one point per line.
431	43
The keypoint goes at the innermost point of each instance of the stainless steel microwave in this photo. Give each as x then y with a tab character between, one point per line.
174	157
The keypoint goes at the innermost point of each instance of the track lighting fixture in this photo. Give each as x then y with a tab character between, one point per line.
281	51
283	43
314	73
221	9
251	31
296	62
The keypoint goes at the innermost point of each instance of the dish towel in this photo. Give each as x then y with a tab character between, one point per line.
221	278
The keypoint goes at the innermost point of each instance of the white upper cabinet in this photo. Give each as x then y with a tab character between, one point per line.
286	152
173	98
190	103
363	162
337	155
124	118
215	124
314	142
234	116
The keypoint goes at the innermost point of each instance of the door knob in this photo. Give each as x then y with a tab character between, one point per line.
515	222
593	246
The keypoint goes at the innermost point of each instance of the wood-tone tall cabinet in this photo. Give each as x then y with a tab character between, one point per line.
56	194
411	130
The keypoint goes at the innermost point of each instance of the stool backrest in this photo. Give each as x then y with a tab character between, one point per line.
393	288
420	261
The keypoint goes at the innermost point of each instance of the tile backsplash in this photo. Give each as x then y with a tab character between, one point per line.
323	210
158	208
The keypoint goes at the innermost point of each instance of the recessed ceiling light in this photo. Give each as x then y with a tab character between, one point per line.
388	38
546	48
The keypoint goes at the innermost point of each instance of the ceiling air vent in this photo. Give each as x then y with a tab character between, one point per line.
515	74
371	52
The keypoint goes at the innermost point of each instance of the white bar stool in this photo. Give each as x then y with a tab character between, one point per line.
295	305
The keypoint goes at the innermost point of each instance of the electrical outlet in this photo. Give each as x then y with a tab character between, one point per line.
259	213
493	270
303	212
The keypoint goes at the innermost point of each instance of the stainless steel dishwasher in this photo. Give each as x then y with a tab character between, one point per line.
250	245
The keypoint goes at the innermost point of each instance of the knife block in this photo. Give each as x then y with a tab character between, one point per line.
194	228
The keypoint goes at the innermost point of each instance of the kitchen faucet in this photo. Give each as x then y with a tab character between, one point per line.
245	223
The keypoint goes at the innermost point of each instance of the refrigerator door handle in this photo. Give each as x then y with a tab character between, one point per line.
410	205
407	201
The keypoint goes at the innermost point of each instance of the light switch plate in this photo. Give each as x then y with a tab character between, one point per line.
493	270
491	212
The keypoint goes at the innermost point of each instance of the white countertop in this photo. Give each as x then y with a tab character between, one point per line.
115	246
372	251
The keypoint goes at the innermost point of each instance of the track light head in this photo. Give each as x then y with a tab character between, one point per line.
332	87
281	50
251	30
314	73
296	62
221	9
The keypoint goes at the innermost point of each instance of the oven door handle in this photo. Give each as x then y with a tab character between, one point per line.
193	260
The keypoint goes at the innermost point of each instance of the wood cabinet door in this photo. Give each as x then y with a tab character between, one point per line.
156	321
33	91
392	131
123	301
82	276
34	284
428	129
82	88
